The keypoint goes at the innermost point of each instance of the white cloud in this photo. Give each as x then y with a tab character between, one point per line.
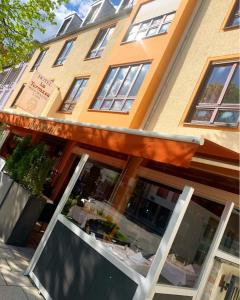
79	6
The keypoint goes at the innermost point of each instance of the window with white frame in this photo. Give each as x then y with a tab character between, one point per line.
120	88
234	20
39	59
100	42
73	95
92	14
148	28
217	101
64	52
64	26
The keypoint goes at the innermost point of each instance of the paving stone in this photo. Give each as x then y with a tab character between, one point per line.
18	265
25	253
17	279
4	265
6	253
32	293
12	293
2	281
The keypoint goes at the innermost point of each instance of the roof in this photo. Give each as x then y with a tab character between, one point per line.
170	149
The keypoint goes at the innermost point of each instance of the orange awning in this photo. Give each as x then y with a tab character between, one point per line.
169	149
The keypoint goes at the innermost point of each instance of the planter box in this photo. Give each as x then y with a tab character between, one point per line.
5	184
18	214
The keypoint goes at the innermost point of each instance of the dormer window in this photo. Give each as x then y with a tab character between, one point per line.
64	26
153	18
92	14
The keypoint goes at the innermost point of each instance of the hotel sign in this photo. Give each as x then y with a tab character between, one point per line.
36	94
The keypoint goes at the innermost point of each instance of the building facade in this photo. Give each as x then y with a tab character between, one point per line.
150	92
8	81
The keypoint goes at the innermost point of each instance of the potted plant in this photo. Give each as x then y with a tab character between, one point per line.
28	166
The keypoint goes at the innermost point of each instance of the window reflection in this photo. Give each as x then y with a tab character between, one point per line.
132	234
230	240
191	244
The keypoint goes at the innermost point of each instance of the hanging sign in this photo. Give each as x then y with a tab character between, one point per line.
36	94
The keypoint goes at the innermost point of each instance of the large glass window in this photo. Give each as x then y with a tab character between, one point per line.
73	95
217	102
100	42
131	230
64	53
234	20
230	239
39	60
192	242
150	27
120	88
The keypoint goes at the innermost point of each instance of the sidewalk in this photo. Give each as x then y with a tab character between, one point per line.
13	284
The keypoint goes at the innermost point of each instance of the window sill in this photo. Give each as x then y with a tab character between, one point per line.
108	111
64	112
212	126
229	28
91	58
55	66
145	38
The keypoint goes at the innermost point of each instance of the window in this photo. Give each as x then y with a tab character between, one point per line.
64	26
92	14
39	60
120	88
100	42
64	53
149	27
18	95
217	102
234	20
230	239
192	242
73	95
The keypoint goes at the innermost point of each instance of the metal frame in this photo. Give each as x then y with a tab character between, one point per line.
213	252
145	284
209	261
53	221
147	288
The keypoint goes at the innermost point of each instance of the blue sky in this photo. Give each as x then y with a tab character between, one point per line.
79	6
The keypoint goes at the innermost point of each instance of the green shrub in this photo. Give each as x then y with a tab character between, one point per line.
29	165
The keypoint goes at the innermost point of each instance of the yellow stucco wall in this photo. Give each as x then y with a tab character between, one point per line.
158	50
75	65
207	41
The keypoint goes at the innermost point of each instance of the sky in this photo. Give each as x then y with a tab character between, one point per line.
79	6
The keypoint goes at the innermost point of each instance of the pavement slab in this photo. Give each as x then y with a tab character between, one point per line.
12	293
32	293
15	279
